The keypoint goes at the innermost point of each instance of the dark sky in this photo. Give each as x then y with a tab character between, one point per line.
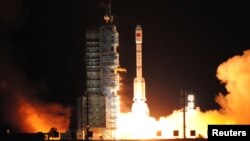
183	44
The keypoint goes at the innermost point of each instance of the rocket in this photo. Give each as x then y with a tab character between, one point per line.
139	82
139	106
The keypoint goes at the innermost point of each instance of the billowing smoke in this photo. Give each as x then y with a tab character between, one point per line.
20	106
125	100
43	116
235	74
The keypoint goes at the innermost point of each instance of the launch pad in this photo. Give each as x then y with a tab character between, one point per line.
99	116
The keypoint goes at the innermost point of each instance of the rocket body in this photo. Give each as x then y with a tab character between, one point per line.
139	82
139	106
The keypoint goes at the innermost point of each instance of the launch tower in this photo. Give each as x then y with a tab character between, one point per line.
98	108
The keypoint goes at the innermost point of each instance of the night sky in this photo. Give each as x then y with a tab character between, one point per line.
42	47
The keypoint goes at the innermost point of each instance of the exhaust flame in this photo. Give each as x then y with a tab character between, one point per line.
234	73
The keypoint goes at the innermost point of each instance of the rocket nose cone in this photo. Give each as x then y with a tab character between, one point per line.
138	27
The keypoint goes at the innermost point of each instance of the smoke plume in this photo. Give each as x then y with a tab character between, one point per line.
20	107
235	74
42	116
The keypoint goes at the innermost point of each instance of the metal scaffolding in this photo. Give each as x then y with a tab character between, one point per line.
110	76
99	108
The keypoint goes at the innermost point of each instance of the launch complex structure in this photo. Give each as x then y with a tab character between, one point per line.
98	108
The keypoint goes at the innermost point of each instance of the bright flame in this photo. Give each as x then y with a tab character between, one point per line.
235	73
136	126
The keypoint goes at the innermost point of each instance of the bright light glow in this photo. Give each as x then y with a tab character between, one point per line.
235	73
135	126
41	118
190	102
190	97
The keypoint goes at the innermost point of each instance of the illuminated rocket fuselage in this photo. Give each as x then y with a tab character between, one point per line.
139	99
139	82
